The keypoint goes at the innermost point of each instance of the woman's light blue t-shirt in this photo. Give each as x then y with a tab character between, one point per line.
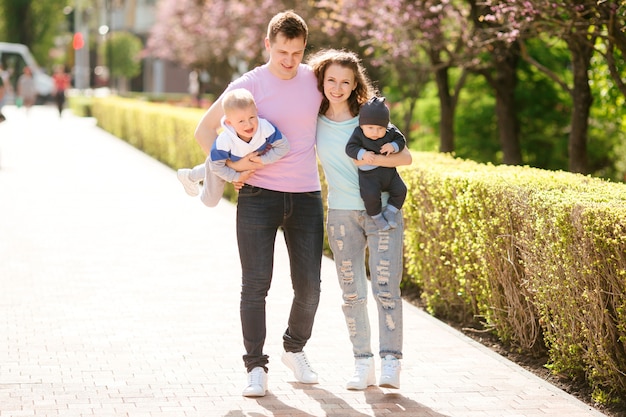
341	173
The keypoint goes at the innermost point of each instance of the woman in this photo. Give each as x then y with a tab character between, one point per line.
345	87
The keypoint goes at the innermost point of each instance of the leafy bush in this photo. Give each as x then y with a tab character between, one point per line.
538	256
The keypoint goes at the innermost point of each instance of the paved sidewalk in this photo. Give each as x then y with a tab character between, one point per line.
119	296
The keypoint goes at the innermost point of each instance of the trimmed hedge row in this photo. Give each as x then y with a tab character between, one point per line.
538	257
162	131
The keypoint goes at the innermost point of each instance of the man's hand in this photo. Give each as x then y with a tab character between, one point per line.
243	177
244	164
256	159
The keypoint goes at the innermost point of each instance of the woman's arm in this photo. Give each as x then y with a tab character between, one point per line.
391	161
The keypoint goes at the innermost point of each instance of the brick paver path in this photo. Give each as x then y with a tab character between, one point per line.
119	296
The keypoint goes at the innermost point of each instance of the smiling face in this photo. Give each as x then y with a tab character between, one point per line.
285	55
339	82
244	120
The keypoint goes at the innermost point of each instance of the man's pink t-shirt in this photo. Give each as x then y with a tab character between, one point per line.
292	105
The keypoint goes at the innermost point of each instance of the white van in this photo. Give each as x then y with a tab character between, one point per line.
14	57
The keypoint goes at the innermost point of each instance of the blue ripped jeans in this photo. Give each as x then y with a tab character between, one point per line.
350	232
260	213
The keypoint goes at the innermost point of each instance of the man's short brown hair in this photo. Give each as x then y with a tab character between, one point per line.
289	24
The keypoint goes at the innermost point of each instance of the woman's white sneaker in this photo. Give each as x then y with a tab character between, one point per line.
364	374
257	383
390	372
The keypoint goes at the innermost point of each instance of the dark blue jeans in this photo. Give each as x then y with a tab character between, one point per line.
260	213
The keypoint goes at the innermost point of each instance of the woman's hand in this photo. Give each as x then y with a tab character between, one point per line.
390	161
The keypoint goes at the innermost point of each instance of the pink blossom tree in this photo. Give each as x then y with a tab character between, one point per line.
220	36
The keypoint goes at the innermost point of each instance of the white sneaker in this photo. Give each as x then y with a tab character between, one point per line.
257	383
299	364
184	176
390	372
364	374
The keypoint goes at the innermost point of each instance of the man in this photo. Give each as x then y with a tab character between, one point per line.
285	194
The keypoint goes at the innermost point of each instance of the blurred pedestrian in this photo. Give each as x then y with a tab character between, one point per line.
5	88
194	88
62	83
2	94
26	91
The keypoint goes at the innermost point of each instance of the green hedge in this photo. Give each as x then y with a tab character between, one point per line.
538	257
162	131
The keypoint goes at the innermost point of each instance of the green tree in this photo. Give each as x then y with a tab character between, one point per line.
607	136
581	25
544	108
34	23
499	61
123	50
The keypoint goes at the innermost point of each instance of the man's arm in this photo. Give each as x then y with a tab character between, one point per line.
206	131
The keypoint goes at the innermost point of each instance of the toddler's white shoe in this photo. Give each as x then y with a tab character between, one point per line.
184	176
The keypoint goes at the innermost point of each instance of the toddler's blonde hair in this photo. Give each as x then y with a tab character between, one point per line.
239	98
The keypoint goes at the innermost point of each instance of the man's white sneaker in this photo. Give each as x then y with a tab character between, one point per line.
257	383
364	374
390	372
184	176
299	364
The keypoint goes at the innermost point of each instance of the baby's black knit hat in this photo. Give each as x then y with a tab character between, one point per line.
374	112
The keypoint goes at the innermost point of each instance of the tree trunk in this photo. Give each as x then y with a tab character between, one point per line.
581	100
446	107
503	80
19	22
408	117
506	114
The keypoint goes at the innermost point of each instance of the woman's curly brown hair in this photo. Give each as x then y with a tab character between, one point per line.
321	60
